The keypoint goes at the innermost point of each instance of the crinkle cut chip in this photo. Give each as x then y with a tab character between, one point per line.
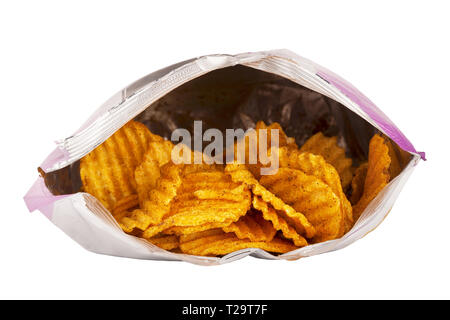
204	197
107	172
270	214
239	173
358	183
148	172
312	197
216	242
316	166
252	226
328	148
377	176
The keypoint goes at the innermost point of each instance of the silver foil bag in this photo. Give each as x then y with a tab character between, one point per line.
224	92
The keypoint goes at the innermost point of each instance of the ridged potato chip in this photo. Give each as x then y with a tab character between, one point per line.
377	173
328	148
147	173
194	229
166	242
125	204
107	172
283	139
316	166
217	243
252	226
161	197
136	219
270	214
358	183
312	197
205	197
250	146
399	158
240	173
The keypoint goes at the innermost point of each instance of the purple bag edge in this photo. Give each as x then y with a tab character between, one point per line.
371	109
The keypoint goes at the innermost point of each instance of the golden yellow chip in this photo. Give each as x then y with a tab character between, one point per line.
147	173
240	174
328	148
200	234
125	204
203	197
136	219
247	150
195	229
217	243
316	166
283	139
270	214
166	242
252	226
358	183
399	158
377	173
312	197
107	172
158	205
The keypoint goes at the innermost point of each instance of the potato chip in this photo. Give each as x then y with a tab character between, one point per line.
283	139
166	242
358	183
200	234
136	219
250	144
377	173
316	166
278	222
217	243
195	229
312	197
158	205
125	204
252	226
107	172
240	173
328	148
147	173
205	197
399	158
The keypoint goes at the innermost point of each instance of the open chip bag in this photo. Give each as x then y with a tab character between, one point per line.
220	157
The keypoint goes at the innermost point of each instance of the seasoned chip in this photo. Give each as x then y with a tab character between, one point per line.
166	242
377	173
239	173
204	197
358	183
107	172
125	204
195	229
247	150
217	242
316	166
312	197
148	172
283	139
200	234
160	198
399	158
252	226
278	222
328	148
136	219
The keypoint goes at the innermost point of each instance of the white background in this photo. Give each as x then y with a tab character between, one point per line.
59	62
